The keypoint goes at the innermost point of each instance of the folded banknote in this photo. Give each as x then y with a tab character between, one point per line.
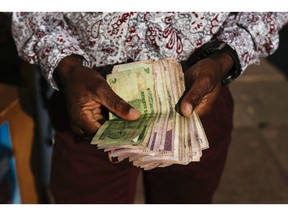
161	137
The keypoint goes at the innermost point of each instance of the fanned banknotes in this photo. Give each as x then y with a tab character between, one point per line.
161	137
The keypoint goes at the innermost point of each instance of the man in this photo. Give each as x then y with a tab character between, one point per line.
76	50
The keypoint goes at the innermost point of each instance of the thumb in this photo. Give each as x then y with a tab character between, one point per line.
117	105
192	99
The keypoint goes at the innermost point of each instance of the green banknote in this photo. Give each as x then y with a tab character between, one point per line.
135	84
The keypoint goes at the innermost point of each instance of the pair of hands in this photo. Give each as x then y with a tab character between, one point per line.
86	91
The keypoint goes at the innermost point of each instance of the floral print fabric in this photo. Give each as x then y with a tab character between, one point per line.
109	38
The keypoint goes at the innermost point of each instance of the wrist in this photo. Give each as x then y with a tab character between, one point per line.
65	69
216	48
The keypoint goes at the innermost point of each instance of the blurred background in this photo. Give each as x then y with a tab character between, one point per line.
257	167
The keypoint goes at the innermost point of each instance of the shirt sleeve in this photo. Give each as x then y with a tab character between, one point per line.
253	35
44	39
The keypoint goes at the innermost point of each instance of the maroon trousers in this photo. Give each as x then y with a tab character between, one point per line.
83	174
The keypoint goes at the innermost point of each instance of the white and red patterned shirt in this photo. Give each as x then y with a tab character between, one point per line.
109	38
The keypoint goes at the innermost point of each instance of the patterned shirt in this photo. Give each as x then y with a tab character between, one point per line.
110	38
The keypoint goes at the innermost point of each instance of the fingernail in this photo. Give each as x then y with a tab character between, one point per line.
188	110
134	112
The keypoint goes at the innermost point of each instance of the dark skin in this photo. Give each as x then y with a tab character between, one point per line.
86	91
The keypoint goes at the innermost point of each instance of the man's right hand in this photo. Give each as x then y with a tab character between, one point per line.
85	92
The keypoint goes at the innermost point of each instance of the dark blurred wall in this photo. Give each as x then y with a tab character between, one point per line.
280	57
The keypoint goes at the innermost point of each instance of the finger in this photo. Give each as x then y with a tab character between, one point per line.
193	98
96	111
117	105
88	121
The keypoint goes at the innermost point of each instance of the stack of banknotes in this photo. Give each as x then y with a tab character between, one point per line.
161	137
